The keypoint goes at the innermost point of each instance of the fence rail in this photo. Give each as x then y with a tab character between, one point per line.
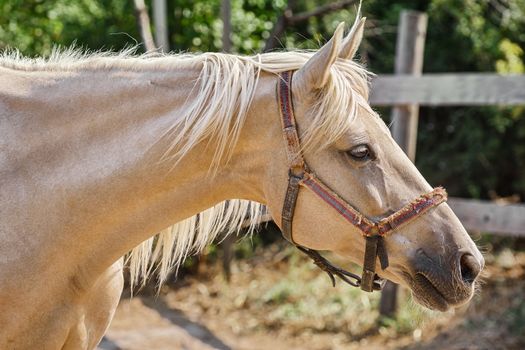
485	216
461	89
408	89
458	89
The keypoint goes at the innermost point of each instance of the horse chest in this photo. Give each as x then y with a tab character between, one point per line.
51	318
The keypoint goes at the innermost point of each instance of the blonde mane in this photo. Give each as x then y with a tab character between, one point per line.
224	90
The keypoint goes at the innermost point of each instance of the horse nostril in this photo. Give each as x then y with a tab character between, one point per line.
469	267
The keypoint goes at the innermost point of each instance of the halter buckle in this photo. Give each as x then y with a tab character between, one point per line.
297	174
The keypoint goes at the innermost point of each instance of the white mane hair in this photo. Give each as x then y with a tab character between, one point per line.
225	88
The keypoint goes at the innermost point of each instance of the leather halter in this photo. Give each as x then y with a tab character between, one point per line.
373	231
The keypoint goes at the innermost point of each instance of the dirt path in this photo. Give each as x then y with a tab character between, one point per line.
138	325
288	305
147	323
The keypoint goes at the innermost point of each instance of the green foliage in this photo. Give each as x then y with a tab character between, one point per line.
304	297
196	25
35	26
512	61
472	151
516	316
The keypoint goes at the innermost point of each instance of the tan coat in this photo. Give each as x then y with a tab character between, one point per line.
91	166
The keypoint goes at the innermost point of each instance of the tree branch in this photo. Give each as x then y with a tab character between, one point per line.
289	19
279	28
320	11
143	23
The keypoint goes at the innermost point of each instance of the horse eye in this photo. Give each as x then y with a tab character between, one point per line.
360	153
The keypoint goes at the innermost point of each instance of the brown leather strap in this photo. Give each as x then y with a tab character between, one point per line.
369	227
290	200
373	231
375	247
348	277
369	265
291	136
381	253
296	175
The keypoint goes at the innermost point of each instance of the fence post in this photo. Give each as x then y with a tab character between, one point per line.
409	61
160	21
226	25
143	24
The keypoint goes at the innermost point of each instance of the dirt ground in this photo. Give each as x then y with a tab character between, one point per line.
276	300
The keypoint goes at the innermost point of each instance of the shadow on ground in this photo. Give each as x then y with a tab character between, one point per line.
148	323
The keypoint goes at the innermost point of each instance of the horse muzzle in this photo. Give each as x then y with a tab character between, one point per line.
443	282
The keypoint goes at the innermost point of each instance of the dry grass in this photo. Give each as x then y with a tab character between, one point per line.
278	298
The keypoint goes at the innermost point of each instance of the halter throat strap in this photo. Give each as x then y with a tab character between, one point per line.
373	231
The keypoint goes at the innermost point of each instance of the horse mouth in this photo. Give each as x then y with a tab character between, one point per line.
426	293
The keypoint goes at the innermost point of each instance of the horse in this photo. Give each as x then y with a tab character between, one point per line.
100	152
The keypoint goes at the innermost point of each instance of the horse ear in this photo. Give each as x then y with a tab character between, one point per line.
316	71
353	39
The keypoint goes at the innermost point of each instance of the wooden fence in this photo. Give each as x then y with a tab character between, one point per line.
458	89
408	89
464	89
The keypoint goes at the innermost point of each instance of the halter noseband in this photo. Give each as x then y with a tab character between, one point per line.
373	231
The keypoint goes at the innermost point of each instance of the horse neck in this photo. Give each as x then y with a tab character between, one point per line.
89	145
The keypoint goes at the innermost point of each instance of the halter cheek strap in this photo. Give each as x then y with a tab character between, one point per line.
373	231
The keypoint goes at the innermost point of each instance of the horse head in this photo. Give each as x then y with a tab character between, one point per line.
360	179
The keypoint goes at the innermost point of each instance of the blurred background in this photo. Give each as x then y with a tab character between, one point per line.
259	293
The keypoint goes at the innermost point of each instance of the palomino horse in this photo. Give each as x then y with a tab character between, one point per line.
98	153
